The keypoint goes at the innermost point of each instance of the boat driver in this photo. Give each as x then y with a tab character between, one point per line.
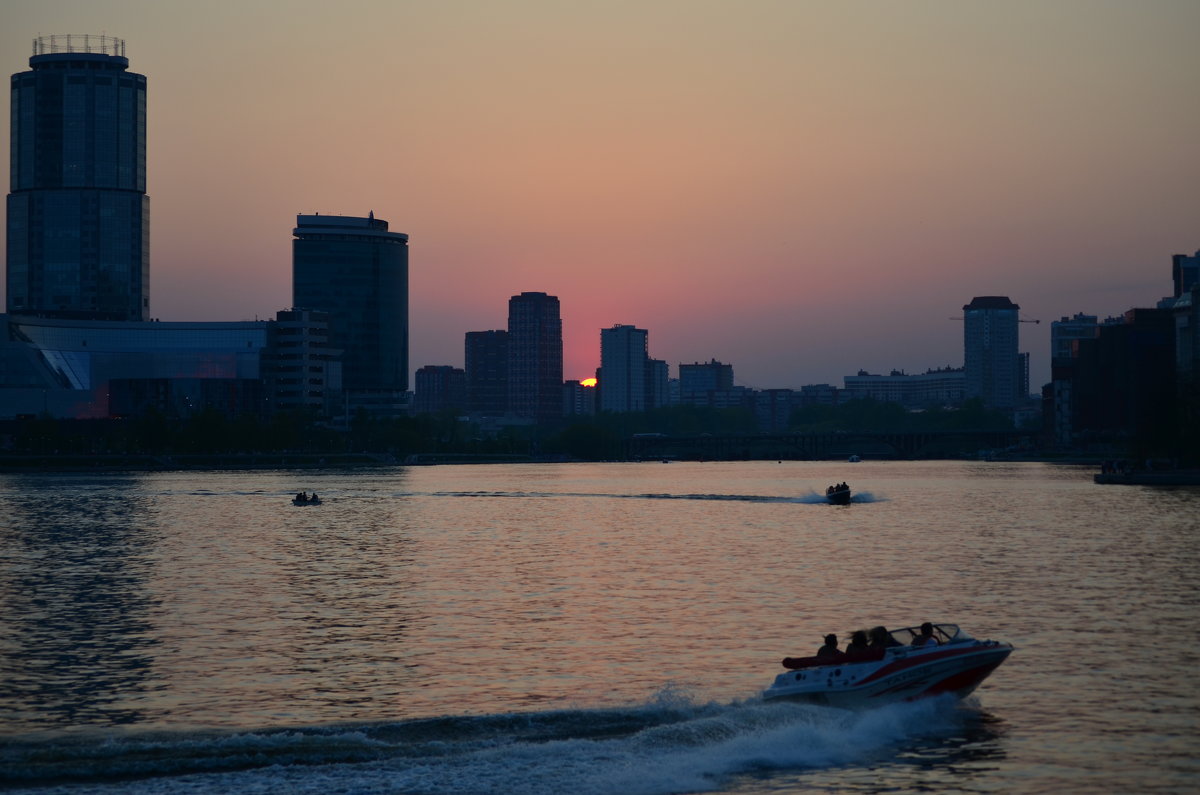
926	637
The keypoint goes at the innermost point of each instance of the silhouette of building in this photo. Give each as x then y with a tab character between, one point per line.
300	370
78	222
990	340
1124	382
578	400
440	387
709	384
1065	336
624	368
535	357
1185	272
357	271
658	381
487	372
942	387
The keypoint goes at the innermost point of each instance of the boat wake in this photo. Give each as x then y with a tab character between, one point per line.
814	498
811	498
663	747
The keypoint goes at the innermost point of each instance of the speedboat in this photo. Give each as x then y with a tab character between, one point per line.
313	500
956	663
838	495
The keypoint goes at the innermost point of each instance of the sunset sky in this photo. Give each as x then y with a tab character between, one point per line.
799	189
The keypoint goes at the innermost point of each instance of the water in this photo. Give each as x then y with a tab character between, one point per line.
587	628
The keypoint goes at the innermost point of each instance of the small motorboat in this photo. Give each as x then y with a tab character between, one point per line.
838	494
953	662
304	499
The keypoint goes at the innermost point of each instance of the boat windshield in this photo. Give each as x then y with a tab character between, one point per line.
945	633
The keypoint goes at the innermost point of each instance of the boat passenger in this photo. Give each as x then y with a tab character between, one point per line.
314	498
926	637
302	497
858	648
830	649
881	639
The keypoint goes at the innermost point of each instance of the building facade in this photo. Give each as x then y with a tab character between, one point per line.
355	270
939	387
486	359
1185	272
440	387
990	342
535	357
78	220
705	383
579	400
301	372
624	361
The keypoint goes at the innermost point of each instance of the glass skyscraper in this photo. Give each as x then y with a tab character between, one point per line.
357	271
78	213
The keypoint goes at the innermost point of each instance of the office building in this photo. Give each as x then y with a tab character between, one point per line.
300	370
83	369
440	387
705	383
535	357
357	271
937	387
1185	273
624	368
78	219
579	399
486	362
991	364
658	392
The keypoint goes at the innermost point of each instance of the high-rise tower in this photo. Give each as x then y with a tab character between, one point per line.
993	369
624	367
535	357
357	271
78	214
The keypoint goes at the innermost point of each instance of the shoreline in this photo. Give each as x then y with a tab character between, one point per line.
146	462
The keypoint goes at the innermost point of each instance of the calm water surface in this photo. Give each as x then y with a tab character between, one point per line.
587	628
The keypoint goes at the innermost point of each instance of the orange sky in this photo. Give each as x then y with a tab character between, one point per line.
800	189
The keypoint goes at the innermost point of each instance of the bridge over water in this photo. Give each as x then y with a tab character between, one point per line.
820	445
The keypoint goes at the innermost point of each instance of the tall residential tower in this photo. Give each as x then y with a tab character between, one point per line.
992	365
78	213
535	357
357	271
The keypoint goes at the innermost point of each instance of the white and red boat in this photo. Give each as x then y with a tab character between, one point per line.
955	663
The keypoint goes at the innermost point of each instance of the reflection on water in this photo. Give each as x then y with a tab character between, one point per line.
77	643
214	616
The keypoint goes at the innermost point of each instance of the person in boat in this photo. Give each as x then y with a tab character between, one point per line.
882	639
314	498
858	648
830	650
302	497
926	637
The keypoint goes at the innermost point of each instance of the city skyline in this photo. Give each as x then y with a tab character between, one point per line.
657	165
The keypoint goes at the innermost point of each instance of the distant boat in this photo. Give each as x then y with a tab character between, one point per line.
838	494
306	500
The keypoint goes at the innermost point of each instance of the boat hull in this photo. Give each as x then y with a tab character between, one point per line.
841	497
904	675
